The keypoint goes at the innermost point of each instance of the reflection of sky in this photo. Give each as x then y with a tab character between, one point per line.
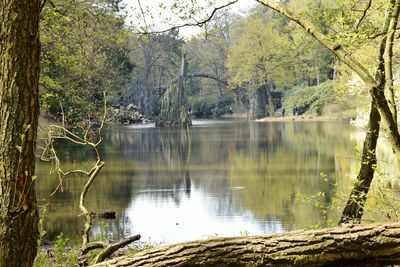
236	176
194	217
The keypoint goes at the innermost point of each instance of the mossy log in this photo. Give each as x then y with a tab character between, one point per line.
349	245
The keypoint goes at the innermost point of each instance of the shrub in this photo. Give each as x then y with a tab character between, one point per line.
310	99
206	106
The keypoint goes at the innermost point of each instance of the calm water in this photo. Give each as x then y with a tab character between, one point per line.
224	178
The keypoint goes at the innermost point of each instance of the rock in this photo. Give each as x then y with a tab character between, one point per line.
128	115
132	107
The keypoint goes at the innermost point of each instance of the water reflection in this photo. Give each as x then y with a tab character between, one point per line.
222	177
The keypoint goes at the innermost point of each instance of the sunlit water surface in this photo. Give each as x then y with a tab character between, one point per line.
225	178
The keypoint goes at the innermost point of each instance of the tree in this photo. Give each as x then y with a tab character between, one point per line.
254	61
85	49
156	58
375	244
19	111
380	107
376	88
267	52
208	53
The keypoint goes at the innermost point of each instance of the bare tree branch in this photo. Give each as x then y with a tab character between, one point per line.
199	23
143	14
85	139
364	14
43	3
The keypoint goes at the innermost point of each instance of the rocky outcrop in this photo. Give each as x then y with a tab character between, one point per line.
127	115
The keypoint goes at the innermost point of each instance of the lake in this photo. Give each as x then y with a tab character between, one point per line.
225	178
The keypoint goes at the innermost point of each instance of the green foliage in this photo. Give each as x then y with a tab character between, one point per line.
65	257
256	54
60	246
244	233
143	245
327	207
208	54
59	256
266	47
42	260
102	235
312	98
205	106
157	57
84	53
93	254
50	102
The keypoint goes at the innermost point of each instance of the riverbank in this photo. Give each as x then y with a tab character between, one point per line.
304	118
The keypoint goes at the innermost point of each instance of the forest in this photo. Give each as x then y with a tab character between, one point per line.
266	137
88	49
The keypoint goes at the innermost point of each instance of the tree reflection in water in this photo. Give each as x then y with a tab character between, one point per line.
219	178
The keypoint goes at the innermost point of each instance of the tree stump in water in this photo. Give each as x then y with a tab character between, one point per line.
174	111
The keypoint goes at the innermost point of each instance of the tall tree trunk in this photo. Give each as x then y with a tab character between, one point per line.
362	245
354	208
19	110
388	57
258	102
270	99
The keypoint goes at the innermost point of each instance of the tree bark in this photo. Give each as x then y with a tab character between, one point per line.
19	110
388	56
354	208
362	245
258	102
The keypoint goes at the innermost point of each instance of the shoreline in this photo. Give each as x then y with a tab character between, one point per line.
304	118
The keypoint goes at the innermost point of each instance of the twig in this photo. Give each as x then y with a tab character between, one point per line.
364	14
143	14
42	4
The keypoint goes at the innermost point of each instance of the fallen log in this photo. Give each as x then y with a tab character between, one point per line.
351	245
